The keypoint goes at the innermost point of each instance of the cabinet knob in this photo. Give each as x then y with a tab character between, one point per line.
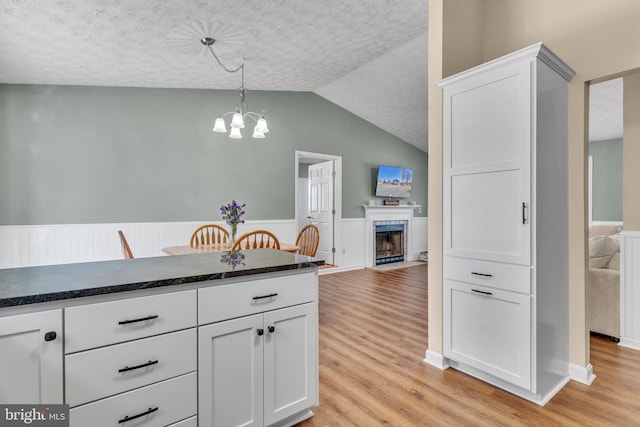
50	336
271	329
260	332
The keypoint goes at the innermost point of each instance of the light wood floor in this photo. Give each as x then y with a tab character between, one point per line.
373	336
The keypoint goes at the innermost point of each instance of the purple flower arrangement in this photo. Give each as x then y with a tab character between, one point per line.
232	214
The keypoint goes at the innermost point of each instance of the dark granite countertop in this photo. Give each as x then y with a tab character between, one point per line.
32	285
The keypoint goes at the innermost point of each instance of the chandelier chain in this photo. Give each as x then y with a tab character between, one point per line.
228	70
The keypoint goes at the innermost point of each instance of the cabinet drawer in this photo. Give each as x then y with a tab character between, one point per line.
100	324
488	329
94	374
164	403
509	277
224	302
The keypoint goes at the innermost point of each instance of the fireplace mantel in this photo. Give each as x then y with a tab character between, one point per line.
381	209
383	213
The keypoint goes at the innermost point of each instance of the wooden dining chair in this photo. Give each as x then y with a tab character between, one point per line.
308	239
209	234
256	240
126	250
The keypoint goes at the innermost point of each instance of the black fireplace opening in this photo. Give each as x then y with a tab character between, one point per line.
389	243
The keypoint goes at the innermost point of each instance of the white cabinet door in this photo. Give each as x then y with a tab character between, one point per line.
260	369
487	166
290	361
488	329
31	358
230	386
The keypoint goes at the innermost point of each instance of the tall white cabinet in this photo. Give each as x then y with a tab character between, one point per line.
506	291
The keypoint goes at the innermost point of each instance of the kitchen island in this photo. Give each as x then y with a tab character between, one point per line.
208	339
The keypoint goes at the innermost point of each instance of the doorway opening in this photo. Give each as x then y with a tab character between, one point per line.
605	154
318	200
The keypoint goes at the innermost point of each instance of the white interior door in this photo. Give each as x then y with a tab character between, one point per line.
321	207
303	202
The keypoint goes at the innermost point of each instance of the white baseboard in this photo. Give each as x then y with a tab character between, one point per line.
582	374
339	269
629	343
436	359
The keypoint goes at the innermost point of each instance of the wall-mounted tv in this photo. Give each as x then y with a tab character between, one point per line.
394	182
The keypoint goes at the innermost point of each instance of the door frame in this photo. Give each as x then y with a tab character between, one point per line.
337	195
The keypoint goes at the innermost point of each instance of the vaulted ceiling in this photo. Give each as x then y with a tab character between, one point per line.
369	57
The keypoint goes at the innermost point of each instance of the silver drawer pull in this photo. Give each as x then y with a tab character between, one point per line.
481	274
144	365
142	319
481	292
265	296
147	412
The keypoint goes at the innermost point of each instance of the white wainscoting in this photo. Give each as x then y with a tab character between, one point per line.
630	289
351	254
31	245
419	236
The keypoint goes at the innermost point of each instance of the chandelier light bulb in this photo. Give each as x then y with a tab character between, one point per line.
235	133
219	125
262	125
237	121
257	133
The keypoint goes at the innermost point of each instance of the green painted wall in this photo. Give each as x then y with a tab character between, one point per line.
607	179
71	154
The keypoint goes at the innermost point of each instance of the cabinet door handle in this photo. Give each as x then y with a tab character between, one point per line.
142	414
481	292
50	336
524	213
144	365
275	294
271	329
260	332
142	319
475	273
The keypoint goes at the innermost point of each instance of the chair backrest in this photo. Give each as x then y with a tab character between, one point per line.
126	250
308	239
256	240
209	234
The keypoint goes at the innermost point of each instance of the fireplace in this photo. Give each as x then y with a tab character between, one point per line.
389	242
397	225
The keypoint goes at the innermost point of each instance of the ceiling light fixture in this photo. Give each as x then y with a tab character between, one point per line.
242	109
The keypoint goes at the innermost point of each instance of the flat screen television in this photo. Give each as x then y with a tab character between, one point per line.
394	182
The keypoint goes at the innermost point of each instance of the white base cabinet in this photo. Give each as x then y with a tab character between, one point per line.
237	352
505	221
31	358
259	369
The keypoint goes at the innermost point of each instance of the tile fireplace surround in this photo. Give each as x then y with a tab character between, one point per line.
387	213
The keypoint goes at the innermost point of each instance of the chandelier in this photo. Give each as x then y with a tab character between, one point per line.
241	113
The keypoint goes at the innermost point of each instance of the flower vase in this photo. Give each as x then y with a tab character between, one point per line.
234	231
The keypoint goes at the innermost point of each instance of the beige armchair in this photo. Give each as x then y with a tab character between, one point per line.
603	281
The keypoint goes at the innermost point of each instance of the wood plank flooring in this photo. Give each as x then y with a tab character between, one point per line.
373	336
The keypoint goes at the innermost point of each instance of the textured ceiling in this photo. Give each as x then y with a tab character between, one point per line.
366	56
390	91
605	110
